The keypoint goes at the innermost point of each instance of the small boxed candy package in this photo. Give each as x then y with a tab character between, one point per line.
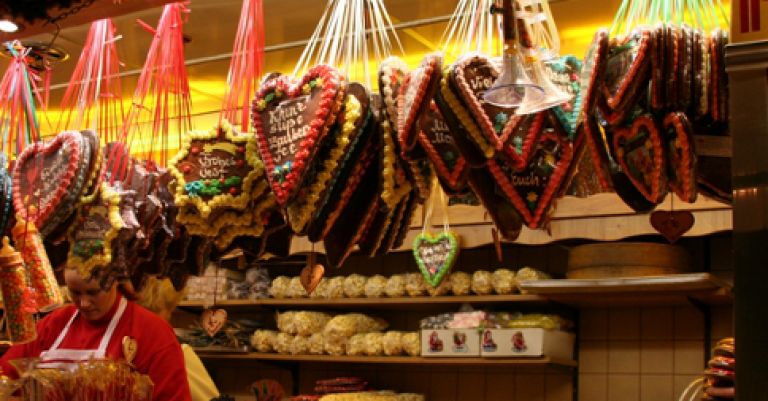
450	342
527	342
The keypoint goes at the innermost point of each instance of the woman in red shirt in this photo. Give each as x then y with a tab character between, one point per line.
96	326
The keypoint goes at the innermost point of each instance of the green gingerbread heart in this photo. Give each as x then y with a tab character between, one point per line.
435	255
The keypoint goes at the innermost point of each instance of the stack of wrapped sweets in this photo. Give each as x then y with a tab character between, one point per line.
517	320
341	385
720	375
458	320
214	283
481	282
373	396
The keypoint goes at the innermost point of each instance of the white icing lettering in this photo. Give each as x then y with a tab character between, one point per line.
213	166
531	180
287	127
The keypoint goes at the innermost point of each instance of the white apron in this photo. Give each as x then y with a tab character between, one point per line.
68	359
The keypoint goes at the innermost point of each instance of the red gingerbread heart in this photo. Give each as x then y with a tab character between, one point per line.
291	122
640	153
678	135
414	97
513	136
672	224
441	149
533	189
43	174
627	69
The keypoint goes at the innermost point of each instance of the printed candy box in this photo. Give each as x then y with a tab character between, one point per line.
450	342
529	342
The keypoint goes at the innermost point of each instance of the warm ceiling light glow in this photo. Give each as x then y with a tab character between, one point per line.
9	26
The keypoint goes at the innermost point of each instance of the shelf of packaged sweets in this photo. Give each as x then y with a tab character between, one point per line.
405	360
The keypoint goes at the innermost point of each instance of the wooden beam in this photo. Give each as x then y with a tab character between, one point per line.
98	10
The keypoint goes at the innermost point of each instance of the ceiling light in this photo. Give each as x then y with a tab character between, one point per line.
8	26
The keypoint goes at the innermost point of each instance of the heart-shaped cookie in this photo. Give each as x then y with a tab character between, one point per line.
591	75
310	277
672	224
215	169
510	134
43	174
640	152
435	138
671	63
718	77
627	69
416	93
532	190
658	69
678	135
392	73
685	68
291	122
565	72
213	320
435	255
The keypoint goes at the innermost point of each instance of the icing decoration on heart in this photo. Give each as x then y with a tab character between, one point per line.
462	115
565	72
421	174
392	73
678	135
450	165
221	217
261	211
395	185
43	174
627	69
310	277
671	61
701	74
532	189
338	144
213	320
592	73
97	225
512	135
672	224
93	183
640	153
658	70
291	122
685	68
215	168
416	93
435	255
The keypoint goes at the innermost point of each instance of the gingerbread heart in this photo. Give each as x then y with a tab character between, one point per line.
627	69
310	277
414	97
565	72
435	255
450	165
685	68
512	135
213	320
291	122
671	64
392	73
640	153
658	68
43	174
532	190
672	224
592	74
678	135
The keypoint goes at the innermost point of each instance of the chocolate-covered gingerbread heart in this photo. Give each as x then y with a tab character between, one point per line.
414	98
565	72
291	122
592	72
449	164
678	135
511	135
640	152
627	69
43	174
658	85
533	189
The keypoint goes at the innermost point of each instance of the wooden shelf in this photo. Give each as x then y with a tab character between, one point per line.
675	289
410	303
403	360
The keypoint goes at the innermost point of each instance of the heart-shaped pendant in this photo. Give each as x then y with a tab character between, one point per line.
291	122
565	72
627	70
216	169
435	255
213	320
678	135
510	134
640	153
435	138
672	224
130	348
533	189
416	93
43	175
310	277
